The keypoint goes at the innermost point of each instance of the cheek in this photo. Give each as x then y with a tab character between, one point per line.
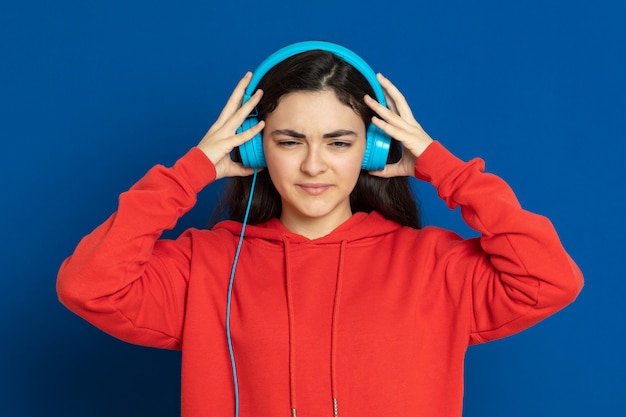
279	168
350	172
354	167
354	176
271	158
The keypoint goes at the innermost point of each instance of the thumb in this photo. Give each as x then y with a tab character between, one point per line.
389	171
402	168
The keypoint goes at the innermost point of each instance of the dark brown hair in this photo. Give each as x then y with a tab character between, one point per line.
316	71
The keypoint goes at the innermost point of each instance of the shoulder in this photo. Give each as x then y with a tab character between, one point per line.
217	239
435	243
431	235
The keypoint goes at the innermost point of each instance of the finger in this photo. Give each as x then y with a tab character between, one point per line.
387	115
238	170
402	106
219	153
381	110
236	119
246	135
391	104
405	135
235	99
391	170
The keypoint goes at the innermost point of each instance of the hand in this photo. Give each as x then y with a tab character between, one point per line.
398	122
221	138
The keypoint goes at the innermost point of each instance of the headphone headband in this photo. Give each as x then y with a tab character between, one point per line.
290	50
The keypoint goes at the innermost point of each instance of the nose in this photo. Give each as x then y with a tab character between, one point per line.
314	162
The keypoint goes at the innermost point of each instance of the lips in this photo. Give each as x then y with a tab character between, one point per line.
314	189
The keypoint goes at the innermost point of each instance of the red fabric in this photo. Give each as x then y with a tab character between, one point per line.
411	301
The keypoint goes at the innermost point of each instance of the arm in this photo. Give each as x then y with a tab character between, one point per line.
124	281
121	277
517	272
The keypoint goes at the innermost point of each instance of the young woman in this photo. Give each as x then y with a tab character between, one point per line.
341	304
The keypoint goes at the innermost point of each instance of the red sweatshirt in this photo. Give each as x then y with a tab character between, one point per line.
374	315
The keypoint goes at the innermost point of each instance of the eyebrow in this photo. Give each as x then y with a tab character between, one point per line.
292	133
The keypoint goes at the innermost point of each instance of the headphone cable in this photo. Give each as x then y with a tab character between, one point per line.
230	292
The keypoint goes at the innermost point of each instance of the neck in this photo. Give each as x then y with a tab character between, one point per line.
311	227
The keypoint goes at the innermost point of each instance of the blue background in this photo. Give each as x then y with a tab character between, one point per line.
93	93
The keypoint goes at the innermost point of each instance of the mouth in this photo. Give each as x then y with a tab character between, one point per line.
314	189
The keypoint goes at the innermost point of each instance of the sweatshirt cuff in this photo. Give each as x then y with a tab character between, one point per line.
196	168
436	163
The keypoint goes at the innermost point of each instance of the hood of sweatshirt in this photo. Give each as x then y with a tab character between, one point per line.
360	226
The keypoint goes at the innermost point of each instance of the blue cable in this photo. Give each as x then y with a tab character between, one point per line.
230	293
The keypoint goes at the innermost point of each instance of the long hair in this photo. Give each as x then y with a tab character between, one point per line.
317	71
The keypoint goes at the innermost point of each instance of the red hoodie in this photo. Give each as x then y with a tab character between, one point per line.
373	318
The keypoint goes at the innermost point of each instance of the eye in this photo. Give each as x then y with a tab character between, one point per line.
340	144
288	143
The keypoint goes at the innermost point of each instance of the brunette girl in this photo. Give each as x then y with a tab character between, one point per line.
339	302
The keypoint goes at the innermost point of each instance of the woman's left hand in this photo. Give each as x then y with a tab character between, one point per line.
398	122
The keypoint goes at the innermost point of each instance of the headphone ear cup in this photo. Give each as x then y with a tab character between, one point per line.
376	148
252	151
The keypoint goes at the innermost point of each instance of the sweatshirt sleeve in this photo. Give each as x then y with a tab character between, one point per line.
121	277
517	272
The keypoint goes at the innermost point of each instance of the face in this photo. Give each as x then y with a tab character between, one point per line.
314	146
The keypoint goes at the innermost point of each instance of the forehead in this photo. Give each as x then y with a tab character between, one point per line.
321	108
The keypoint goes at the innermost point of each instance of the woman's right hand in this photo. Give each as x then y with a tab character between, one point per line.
222	138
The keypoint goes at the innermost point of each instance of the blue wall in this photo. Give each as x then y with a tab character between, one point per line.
93	93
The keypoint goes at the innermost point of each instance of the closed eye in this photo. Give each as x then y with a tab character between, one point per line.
340	144
288	143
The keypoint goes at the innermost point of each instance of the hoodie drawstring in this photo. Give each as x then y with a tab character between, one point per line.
333	337
292	333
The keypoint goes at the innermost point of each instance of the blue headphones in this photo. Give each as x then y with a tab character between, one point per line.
377	141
